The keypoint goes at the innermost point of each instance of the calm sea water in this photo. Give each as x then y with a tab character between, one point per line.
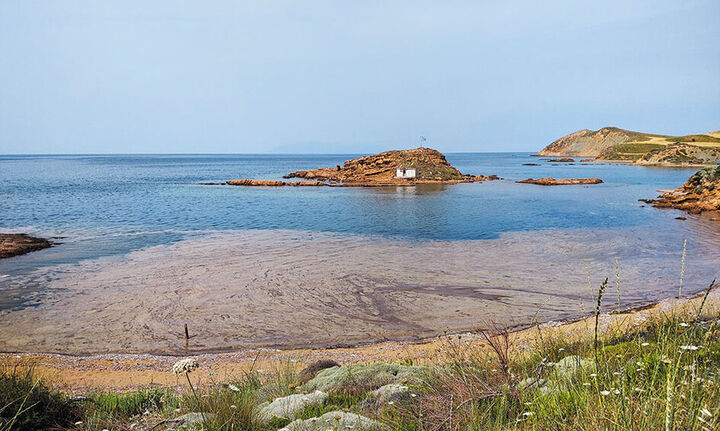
428	257
101	205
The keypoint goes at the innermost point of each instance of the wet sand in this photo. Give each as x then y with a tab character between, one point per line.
290	289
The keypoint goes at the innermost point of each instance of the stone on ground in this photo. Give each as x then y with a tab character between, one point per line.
289	406
337	421
363	378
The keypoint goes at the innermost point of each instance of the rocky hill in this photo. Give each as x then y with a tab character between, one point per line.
680	154
430	165
612	143
700	193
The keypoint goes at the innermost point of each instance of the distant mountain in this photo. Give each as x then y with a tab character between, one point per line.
612	143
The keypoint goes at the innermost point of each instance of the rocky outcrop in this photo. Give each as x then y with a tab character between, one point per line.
380	169
562	160
550	181
269	183
377	171
700	193
15	244
681	154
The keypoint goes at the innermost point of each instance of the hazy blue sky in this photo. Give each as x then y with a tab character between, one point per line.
349	76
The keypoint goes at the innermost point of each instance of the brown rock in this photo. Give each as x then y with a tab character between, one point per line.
480	178
264	183
587	160
562	159
700	193
15	244
379	170
550	181
430	165
309	372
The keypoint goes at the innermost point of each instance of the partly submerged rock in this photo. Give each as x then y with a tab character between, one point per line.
289	406
15	244
562	160
270	183
700	193
362	378
550	181
337	421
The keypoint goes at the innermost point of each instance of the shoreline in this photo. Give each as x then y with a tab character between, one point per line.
78	374
254	289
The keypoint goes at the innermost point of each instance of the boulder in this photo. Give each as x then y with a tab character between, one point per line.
289	406
311	370
572	365
358	378
337	421
387	392
193	420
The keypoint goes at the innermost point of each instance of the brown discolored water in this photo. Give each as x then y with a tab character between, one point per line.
294	288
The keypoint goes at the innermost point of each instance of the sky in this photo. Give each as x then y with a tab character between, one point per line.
189	76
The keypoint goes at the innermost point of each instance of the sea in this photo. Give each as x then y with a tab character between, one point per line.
102	210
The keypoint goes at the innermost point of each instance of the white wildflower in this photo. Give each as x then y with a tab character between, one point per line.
616	392
593	375
684	325
586	384
233	406
233	388
689	347
528	414
645	344
605	393
184	366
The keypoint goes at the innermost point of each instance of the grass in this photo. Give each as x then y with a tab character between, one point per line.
663	375
629	150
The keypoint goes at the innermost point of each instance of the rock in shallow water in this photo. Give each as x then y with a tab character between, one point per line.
15	244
